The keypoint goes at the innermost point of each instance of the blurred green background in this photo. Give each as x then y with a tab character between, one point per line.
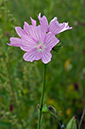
20	81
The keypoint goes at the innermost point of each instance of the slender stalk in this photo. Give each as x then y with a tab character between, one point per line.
82	117
58	122
42	97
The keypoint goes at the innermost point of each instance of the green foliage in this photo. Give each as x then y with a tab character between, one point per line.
57	47
20	81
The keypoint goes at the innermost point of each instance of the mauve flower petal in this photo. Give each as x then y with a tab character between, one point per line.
46	56
37	33
26	27
32	55
55	27
66	27
15	42
43	22
20	31
33	21
50	40
27	43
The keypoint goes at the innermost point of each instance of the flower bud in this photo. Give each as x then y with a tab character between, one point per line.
72	123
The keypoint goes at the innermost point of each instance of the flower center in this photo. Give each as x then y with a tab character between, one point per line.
40	47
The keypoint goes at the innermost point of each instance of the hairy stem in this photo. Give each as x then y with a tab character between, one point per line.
42	97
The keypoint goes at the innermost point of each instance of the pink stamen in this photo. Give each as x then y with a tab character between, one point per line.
40	47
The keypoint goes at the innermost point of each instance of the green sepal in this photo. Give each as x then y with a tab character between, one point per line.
72	123
45	108
57	47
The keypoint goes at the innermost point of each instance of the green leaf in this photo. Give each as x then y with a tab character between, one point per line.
72	123
57	47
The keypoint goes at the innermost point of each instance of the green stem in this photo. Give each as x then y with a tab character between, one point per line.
58	121
42	97
82	118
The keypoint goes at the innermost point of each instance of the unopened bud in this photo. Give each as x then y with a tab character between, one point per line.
52	109
72	123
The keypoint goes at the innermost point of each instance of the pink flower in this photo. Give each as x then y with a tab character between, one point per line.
39	40
35	41
54	27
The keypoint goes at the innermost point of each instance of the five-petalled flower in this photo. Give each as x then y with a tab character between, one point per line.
39	40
